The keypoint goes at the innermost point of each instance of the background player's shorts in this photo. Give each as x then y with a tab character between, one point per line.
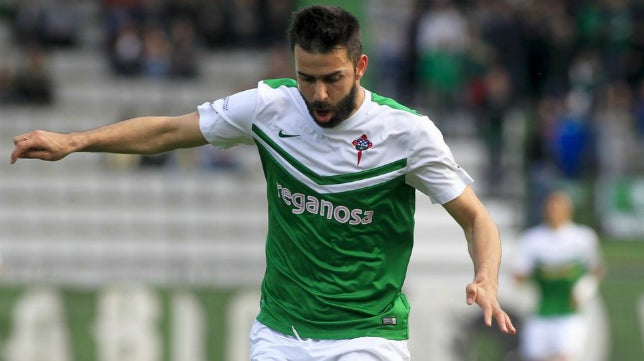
543	337
269	345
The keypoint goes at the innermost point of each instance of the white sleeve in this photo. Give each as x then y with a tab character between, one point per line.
227	121
594	258
432	168
523	262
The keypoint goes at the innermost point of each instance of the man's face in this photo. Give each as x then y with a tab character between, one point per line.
329	84
558	210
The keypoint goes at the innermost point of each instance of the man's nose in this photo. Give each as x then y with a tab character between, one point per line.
320	93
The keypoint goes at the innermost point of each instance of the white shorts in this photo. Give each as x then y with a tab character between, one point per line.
542	338
269	345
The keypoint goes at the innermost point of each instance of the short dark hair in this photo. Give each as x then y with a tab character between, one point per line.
320	29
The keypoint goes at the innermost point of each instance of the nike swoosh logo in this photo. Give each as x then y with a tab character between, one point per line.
281	134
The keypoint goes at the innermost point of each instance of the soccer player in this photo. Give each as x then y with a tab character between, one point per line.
562	259
342	165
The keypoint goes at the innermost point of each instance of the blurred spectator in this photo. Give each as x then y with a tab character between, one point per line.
585	75
410	73
185	10
161	38
537	41
618	30
571	142
502	28
47	23
540	170
127	51
561	46
442	41
212	23
154	12
590	24
496	103
246	27
62	23
276	17
156	52
390	46
616	131
28	23
184	53
560	147
634	62
551	39
32	83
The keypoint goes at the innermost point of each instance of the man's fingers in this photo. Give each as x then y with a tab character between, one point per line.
502	320
21	138
487	314
470	294
510	329
505	323
17	151
22	148
491	309
36	145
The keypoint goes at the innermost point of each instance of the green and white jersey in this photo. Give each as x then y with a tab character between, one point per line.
340	206
556	259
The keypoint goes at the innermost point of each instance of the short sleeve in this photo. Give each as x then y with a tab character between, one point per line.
523	262
227	121
593	255
432	168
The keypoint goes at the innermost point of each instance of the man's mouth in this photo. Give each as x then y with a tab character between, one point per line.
322	115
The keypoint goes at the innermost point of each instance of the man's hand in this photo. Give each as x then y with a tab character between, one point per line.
40	144
484	295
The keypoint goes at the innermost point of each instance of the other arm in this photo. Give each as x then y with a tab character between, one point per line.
484	246
144	135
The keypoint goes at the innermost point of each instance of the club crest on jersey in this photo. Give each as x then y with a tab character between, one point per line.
361	144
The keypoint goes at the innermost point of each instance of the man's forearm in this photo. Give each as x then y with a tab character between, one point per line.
481	233
484	246
144	135
137	136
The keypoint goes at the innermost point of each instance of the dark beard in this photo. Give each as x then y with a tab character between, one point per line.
341	111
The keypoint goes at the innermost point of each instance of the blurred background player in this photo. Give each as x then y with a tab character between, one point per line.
562	259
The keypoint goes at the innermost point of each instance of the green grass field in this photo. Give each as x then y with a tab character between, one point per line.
621	289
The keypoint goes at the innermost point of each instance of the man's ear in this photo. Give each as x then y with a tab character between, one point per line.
361	66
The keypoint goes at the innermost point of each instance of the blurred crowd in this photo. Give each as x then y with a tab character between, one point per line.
570	71
162	38
140	38
573	70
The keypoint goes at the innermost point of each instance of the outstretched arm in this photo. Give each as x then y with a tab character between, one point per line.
484	246
144	135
